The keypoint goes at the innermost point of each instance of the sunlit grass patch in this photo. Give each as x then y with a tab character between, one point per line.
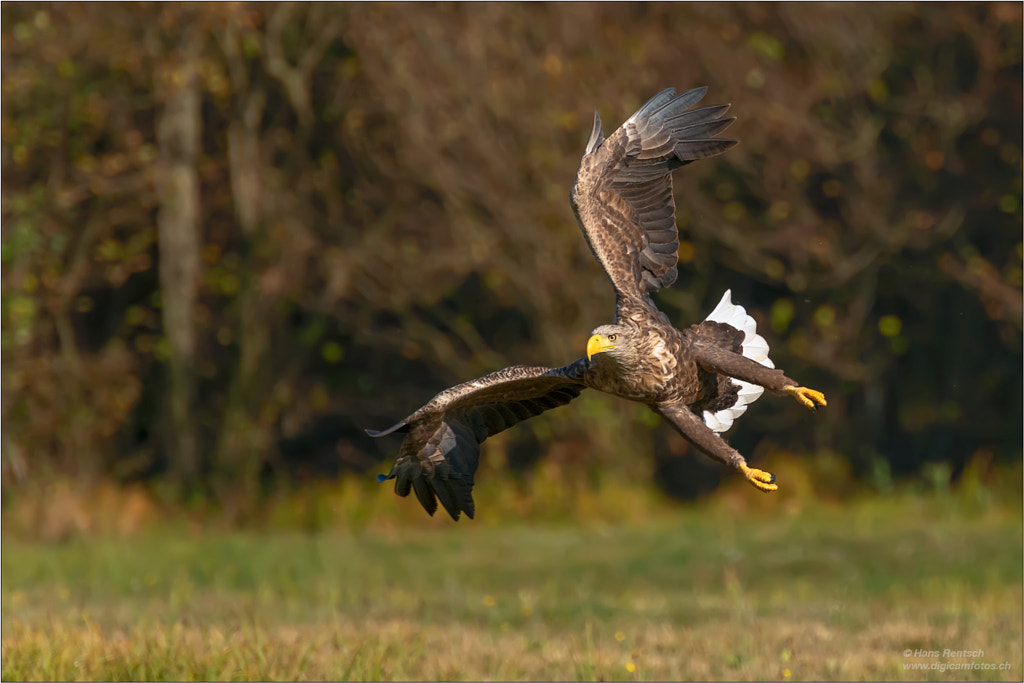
707	592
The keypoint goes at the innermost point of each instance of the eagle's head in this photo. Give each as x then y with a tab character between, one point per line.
617	341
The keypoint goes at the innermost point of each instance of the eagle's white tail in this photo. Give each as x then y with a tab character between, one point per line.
754	347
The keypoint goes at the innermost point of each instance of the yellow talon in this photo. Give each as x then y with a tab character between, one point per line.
807	397
759	478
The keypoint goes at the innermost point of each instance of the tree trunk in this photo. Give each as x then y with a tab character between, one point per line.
244	439
178	137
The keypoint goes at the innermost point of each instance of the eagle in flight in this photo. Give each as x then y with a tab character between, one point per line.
699	379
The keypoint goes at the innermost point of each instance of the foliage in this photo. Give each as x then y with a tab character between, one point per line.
382	211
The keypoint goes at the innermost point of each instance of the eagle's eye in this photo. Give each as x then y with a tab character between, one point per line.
612	337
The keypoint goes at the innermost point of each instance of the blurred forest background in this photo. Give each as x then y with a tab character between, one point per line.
234	235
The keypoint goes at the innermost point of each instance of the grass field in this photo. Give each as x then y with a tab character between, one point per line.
704	592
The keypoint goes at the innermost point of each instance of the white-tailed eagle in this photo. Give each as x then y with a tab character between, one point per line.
699	379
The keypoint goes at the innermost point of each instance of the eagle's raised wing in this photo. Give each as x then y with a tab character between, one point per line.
623	191
439	455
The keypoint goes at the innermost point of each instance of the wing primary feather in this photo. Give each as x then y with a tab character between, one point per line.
596	135
403	485
694	150
402	426
698	115
446	493
680	102
654	104
668	249
425	493
704	129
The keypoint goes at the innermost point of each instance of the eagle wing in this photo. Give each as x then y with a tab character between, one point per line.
623	191
441	449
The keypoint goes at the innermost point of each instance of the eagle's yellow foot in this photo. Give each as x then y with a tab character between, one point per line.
807	397
759	478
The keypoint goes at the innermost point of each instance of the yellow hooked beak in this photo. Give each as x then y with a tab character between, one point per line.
598	343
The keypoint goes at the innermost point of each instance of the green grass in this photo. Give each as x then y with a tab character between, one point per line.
708	592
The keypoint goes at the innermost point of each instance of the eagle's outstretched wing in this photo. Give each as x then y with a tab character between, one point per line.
441	449
623	191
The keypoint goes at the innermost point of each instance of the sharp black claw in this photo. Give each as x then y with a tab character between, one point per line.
772	481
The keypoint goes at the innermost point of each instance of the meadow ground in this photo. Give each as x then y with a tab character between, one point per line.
863	590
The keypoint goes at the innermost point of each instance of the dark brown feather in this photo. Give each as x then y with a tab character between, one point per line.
439	456
623	192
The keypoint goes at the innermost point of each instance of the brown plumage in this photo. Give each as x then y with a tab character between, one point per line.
699	379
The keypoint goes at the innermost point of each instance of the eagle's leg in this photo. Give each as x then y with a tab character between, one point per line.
713	358
807	397
693	428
